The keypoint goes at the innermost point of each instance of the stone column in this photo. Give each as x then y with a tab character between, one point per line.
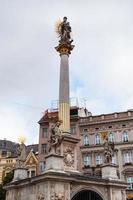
64	49
64	107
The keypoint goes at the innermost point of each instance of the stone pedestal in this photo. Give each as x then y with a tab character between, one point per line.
54	162
109	172
20	174
69	152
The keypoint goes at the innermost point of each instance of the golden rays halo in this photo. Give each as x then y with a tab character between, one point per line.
58	26
104	135
22	139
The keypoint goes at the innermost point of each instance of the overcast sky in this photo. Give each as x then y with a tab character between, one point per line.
101	65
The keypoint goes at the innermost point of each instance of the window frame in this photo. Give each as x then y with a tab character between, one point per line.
111	137
44	134
127	156
85	140
130	182
125	136
87	160
99	159
97	139
73	129
44	148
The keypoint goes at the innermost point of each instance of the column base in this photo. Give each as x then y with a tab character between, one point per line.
54	162
20	174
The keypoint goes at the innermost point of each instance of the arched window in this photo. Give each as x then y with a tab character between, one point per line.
97	139
111	137
125	136
86	140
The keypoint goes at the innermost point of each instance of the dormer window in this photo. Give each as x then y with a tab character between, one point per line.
125	136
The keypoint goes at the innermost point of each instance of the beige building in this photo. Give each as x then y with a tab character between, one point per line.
89	129
7	163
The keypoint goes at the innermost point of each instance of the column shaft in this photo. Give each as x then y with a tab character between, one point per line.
64	107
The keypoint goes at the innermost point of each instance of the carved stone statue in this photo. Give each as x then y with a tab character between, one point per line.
64	31
21	151
108	151
55	137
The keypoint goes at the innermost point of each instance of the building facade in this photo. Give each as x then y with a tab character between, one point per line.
8	158
89	129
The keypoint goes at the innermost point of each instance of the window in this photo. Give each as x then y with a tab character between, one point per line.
87	160
28	173
127	157
73	130
44	148
42	166
4	153
125	136
86	140
33	173
111	137
97	139
130	183
44	132
98	159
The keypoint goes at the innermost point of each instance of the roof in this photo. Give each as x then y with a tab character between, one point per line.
33	147
110	117
53	115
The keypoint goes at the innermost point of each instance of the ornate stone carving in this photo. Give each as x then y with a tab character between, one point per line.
69	156
57	196
41	197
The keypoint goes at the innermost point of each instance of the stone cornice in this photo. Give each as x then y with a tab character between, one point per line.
66	177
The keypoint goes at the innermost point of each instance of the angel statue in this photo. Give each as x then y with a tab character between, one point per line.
21	152
63	29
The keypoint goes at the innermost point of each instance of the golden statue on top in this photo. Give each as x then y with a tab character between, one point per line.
63	29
